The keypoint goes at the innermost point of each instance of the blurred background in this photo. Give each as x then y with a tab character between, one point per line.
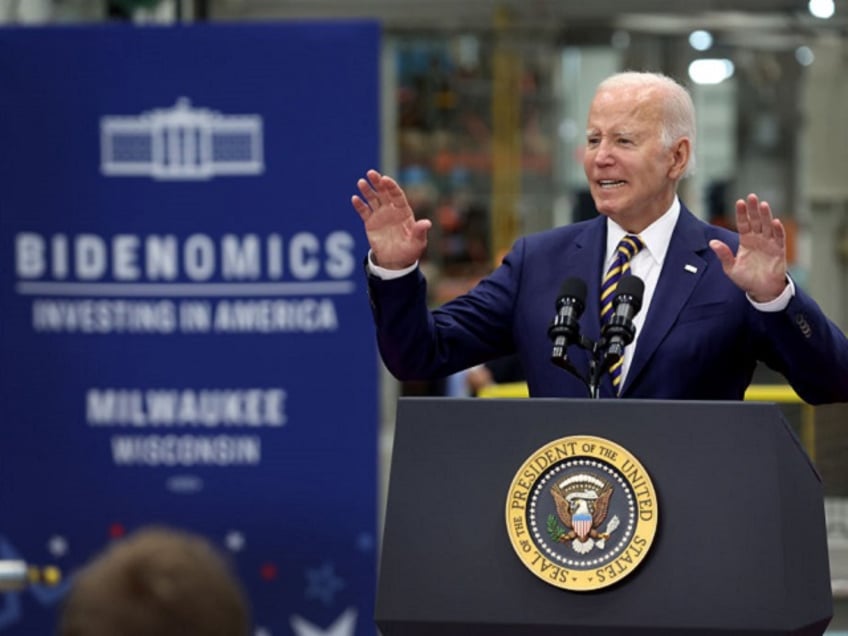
483	119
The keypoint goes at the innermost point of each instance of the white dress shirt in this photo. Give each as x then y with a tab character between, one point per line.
646	264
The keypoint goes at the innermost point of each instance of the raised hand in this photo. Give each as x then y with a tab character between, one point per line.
397	239
759	266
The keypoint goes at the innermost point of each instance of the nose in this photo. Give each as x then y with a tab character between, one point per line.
603	154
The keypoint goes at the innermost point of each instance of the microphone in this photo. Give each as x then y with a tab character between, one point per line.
627	301
565	328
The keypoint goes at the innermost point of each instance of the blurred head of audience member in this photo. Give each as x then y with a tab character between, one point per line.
157	581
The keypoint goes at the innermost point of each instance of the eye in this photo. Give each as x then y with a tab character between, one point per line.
593	141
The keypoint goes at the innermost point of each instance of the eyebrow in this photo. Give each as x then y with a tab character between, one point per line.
615	133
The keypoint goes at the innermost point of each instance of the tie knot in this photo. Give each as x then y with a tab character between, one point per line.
629	246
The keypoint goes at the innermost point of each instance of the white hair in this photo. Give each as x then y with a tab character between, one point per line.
679	110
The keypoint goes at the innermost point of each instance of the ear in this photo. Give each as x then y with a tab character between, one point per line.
680	150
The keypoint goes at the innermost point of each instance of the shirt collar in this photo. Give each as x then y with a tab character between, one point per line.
656	236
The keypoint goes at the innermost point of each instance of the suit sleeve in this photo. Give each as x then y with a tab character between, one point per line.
808	349
417	343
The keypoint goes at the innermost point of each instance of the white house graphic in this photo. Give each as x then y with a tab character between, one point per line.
181	143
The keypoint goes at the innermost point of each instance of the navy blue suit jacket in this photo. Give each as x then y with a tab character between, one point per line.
701	339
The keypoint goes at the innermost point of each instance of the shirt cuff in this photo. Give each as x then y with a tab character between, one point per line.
389	274
778	304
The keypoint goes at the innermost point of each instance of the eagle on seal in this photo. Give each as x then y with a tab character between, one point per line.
582	503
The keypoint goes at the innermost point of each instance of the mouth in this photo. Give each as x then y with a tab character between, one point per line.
610	184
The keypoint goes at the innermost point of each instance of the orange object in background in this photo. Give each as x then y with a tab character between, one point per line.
791	228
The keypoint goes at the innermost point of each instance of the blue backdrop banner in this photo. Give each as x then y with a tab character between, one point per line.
184	326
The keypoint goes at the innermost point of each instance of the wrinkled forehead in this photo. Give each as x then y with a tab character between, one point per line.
628	108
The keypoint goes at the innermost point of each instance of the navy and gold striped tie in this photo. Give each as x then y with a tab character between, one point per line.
626	250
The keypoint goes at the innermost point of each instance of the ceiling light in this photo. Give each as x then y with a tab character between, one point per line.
700	40
823	9
710	71
804	55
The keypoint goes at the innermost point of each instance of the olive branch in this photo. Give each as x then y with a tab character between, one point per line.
555	530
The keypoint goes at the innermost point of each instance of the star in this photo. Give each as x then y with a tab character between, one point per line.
344	625
268	571
365	542
323	583
57	546
235	541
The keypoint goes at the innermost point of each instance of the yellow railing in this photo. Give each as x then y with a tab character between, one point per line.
780	393
505	390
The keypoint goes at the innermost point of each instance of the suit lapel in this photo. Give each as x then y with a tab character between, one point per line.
591	247
584	260
674	287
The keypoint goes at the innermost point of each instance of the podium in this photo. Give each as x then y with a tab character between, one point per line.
740	544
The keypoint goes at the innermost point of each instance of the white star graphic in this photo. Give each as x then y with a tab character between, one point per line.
57	546
344	625
234	540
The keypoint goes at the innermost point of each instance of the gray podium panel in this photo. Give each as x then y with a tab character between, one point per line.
740	548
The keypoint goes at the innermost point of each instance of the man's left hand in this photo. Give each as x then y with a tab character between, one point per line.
759	266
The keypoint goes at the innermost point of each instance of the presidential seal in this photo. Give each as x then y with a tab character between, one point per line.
581	513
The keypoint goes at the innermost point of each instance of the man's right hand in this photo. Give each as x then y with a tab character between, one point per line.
397	240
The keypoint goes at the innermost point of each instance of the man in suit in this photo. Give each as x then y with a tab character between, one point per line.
715	302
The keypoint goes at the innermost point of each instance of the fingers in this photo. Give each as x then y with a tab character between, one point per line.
753	215
373	187
724	253
394	192
369	192
361	207
377	190
779	233
743	222
420	230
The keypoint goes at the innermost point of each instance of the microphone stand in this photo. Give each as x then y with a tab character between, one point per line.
603	353
563	336
596	370
615	335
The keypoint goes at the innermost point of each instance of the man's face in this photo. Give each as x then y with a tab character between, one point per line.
632	175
